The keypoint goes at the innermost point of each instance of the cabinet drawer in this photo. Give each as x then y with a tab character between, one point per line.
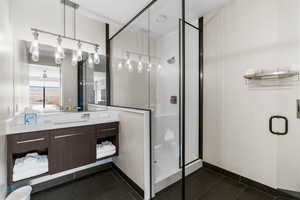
107	130
69	132
25	142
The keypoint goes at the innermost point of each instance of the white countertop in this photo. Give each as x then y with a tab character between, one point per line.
60	120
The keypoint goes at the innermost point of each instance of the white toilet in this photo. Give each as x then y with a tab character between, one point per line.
22	193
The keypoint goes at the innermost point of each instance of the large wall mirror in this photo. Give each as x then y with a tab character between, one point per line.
47	87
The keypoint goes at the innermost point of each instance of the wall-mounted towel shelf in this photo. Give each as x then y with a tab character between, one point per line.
271	76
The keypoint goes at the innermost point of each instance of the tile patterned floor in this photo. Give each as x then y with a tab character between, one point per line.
106	185
204	184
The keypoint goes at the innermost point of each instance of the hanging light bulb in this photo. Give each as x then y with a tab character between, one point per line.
130	68
35	56
97	56
45	75
140	65
74	58
34	48
59	54
159	67
149	67
79	51
90	59
120	66
128	61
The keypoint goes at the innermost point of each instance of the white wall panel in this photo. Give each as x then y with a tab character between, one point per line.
259	34
6	86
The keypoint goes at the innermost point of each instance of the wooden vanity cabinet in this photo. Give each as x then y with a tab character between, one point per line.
71	148
67	148
18	145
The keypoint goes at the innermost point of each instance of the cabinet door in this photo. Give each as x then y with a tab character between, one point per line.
71	148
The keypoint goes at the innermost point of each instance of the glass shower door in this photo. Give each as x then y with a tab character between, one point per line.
288	145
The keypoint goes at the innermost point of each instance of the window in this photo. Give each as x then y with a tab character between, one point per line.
100	88
45	87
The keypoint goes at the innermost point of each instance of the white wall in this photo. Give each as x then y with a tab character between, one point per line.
6	86
21	76
259	34
134	147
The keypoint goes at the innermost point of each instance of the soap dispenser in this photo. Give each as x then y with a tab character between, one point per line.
30	117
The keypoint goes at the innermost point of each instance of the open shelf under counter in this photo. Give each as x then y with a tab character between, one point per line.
61	146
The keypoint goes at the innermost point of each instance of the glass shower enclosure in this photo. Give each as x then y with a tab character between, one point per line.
146	74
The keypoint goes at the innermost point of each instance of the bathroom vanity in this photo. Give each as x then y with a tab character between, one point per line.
67	144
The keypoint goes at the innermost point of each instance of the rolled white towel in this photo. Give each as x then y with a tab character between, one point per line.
106	148
28	173
105	154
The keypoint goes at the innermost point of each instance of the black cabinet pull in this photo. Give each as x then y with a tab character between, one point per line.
271	125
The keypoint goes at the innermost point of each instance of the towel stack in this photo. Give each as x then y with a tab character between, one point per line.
105	149
29	166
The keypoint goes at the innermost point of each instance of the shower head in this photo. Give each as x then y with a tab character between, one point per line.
171	60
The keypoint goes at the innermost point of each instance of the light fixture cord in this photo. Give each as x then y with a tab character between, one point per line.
149	73
74	22
64	17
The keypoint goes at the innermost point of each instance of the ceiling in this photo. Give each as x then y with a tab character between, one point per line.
119	12
112	11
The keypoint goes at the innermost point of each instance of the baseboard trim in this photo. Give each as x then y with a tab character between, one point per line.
248	181
137	188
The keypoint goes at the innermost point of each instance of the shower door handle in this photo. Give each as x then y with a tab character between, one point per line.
271	125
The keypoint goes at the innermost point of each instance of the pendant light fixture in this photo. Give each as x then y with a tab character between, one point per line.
120	66
96	55
140	65
159	67
128	61
149	67
79	51
90	59
59	53
74	58
34	48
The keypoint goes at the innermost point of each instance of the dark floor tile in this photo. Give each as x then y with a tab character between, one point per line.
253	194
286	198
227	189
102	186
200	182
173	192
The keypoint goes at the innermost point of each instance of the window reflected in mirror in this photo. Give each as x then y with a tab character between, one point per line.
48	87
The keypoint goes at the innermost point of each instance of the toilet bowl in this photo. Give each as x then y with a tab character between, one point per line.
22	193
